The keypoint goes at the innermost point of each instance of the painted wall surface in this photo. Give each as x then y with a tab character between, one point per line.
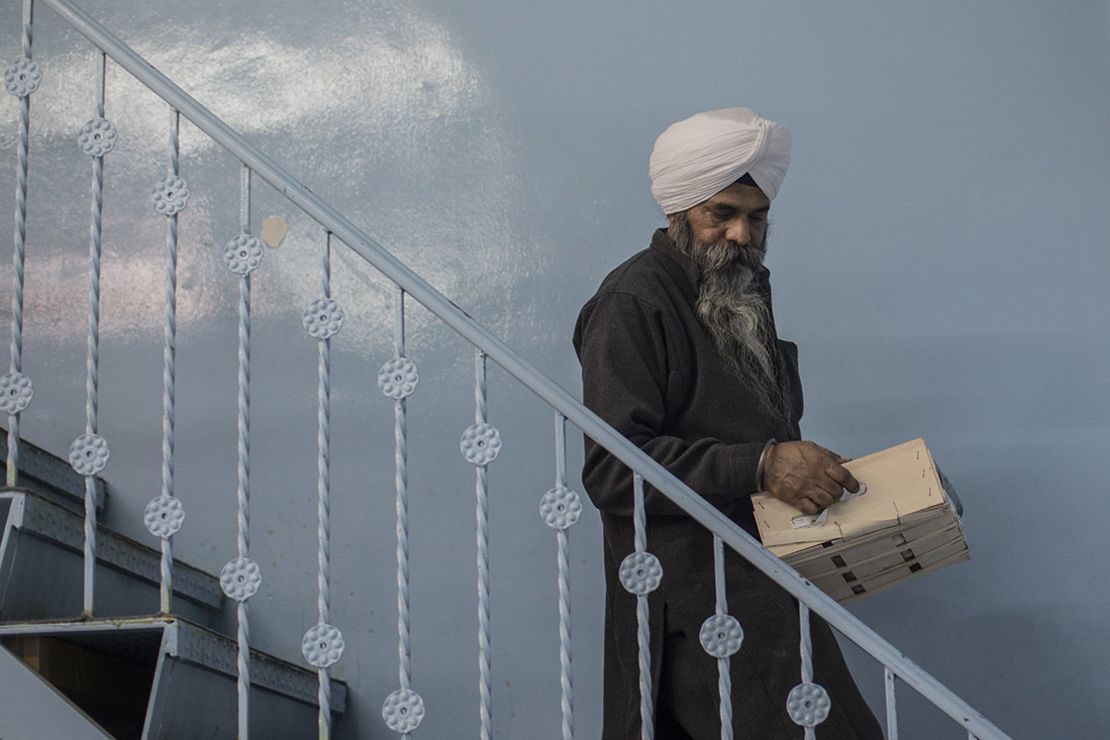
939	253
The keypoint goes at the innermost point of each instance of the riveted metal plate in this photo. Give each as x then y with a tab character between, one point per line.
721	635
560	508
403	710
808	704
641	573
480	443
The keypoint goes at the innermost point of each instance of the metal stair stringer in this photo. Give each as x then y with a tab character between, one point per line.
41	568
183	683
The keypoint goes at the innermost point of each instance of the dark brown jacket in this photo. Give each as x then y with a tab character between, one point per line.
651	371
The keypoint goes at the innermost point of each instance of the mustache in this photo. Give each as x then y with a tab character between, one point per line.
720	255
725	254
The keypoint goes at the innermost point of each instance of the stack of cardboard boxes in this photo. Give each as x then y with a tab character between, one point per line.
905	521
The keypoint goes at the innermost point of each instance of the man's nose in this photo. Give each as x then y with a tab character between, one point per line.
739	232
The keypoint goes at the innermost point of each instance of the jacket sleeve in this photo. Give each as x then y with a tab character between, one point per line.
622	345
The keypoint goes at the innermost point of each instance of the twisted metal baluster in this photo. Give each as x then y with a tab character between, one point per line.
891	709
643	633
169	353
244	449
565	673
401	455
323	491
807	655
92	360
18	253
482	512
724	679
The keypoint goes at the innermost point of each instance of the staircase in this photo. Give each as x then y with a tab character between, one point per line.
82	653
124	673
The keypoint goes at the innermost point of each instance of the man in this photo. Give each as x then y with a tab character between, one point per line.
679	353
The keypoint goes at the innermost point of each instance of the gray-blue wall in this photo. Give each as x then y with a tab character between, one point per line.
939	252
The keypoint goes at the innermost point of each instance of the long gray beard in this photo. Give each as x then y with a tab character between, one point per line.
735	312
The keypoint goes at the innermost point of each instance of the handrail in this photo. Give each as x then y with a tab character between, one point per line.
555	396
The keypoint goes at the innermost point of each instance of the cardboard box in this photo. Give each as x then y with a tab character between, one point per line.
905	522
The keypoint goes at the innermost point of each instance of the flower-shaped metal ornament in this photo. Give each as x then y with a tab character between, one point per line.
808	704
88	454
22	78
170	195
242	254
240	578
323	318
640	573
97	137
15	393
403	711
163	516
398	378
480	443
560	508
721	635
322	645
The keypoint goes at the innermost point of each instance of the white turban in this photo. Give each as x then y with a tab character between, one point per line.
699	157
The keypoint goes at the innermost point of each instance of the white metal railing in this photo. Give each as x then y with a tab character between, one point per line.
172	195
323	644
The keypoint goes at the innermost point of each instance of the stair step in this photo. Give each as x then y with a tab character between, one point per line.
165	677
42	571
52	476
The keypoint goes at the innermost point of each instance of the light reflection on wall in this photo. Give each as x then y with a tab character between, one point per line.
385	121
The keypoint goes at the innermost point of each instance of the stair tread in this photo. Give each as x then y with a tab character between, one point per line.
48	520
187	641
55	476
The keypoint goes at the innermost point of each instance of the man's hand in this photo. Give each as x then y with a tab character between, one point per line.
806	476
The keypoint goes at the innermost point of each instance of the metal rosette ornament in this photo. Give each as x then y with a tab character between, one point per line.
560	508
808	704
403	711
243	254
15	393
322	645
97	137
641	573
323	319
398	378
164	516
721	635
240	579
170	195
22	78
88	454
480	443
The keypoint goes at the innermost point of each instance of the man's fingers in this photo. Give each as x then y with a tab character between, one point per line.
806	506
799	500
824	498
840	475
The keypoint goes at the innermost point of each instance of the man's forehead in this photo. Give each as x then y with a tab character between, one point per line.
740	196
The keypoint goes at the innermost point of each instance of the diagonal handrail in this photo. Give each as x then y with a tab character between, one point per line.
559	399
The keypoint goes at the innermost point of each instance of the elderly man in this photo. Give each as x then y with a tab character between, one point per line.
679	353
